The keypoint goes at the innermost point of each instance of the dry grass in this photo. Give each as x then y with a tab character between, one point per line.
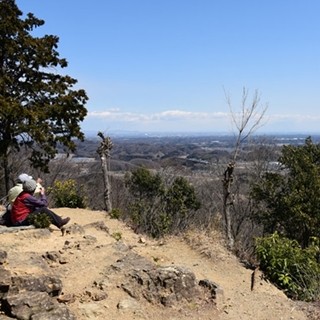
209	243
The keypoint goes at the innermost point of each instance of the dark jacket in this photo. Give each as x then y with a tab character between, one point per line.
25	204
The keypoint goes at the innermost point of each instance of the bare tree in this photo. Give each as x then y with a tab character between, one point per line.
104	153
246	122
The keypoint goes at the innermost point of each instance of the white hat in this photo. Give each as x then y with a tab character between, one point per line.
24	177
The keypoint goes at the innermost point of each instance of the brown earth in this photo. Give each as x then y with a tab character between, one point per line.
85	259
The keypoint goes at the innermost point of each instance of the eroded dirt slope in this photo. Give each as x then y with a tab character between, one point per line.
85	257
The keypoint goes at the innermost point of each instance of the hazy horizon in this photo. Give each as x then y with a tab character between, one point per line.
93	133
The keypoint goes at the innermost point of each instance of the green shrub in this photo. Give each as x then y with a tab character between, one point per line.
159	208
293	269
115	213
117	236
68	194
39	220
150	220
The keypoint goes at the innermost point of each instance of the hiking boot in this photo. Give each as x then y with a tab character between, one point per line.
64	222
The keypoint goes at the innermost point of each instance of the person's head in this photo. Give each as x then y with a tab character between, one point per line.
23	177
29	186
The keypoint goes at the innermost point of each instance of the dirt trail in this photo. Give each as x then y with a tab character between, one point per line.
89	255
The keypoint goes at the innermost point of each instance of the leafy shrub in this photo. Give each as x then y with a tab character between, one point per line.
149	219
143	184
115	213
68	194
39	220
117	236
288	201
158	208
293	269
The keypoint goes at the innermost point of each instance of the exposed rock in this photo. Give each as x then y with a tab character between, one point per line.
5	282
66	298
128	304
142	240
92	311
164	285
214	290
90	239
30	297
63	260
99	225
59	312
102	285
211	286
4	229
37	233
96	295
121	246
74	229
26	304
72	245
5	277
34	259
132	261
49	284
53	256
3	257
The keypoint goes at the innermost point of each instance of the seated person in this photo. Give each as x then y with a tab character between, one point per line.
17	189
14	192
26	203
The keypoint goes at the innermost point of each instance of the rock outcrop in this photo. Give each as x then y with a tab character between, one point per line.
25	295
28	297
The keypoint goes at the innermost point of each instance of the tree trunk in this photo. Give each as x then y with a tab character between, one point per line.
104	152
107	200
248	119
228	203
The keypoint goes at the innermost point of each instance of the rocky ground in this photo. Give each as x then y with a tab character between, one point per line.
109	272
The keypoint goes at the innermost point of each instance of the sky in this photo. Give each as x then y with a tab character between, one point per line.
173	65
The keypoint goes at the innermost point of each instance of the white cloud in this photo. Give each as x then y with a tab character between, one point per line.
180	115
187	121
295	117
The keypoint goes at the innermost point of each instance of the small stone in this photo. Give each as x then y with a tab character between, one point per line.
142	240
3	257
66	298
126	304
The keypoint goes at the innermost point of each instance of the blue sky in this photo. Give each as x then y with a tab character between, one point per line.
165	65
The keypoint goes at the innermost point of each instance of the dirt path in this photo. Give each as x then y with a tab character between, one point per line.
236	301
87	257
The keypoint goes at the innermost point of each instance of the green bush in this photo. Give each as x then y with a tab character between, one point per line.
150	220
117	236
293	269
68	194
115	213
158	208
288	201
39	220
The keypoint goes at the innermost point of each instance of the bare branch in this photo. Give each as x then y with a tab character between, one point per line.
246	121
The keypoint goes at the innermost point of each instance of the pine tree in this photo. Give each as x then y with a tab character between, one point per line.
288	202
39	108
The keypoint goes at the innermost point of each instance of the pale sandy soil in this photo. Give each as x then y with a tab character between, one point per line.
88	257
